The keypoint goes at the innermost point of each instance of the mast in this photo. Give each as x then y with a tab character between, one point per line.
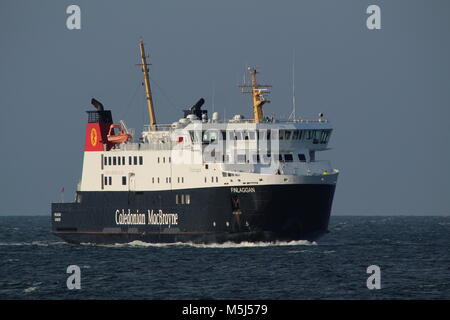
258	91
148	91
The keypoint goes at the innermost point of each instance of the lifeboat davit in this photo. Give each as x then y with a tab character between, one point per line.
122	137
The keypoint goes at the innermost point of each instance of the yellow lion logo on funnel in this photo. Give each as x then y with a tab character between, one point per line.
94	137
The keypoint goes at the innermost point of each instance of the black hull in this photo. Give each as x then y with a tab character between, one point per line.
213	215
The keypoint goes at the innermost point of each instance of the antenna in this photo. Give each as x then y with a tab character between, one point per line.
293	82
213	95
293	86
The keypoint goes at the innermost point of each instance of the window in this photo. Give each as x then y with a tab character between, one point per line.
109	161
295	135
170	160
129	161
182	179
123	160
316	136
280	157
217	179
106	181
158	179
324	136
105	159
114	161
182	199
288	157
110	180
241	158
212	179
158	159
301	157
135	160
119	161
288	134
124	180
153	179
141	160
252	135
164	159
188	199
281	134
178	179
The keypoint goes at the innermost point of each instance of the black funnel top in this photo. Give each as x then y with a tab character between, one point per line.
196	109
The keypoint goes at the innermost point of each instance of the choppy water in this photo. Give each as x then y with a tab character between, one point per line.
412	252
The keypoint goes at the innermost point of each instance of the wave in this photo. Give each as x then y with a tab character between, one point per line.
33	243
224	245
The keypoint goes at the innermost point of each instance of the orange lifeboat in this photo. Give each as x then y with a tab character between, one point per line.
122	137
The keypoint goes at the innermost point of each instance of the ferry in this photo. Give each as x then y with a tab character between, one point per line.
202	178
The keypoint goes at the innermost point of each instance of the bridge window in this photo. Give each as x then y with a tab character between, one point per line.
288	134
301	157
295	135
288	158
325	135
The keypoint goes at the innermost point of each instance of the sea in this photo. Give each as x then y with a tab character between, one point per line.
410	256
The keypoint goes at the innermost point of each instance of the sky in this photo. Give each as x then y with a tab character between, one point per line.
386	91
